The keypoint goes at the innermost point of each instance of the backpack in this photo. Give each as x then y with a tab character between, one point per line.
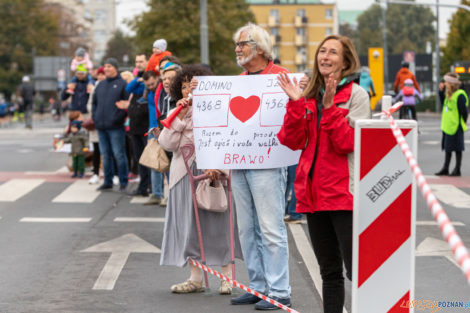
408	91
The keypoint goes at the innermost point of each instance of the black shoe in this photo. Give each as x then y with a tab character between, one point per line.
246	298
264	305
455	172
74	175
138	192
81	175
104	187
442	172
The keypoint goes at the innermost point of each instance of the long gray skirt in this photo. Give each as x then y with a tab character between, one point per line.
180	239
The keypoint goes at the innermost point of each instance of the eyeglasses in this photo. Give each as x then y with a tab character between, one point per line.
241	44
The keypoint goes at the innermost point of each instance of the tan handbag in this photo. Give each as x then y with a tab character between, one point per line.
154	157
211	198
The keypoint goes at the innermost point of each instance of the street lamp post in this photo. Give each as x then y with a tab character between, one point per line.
204	33
384	39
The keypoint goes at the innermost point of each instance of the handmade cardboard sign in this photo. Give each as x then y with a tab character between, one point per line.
236	120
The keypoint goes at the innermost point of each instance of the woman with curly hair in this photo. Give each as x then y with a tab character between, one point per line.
180	238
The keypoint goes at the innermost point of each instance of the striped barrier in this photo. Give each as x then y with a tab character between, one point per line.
384	219
241	286
447	229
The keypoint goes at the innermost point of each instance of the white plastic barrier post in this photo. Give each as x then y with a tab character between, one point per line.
384	219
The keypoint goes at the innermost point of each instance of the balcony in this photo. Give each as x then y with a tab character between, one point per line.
300	40
300	21
273	21
300	59
275	39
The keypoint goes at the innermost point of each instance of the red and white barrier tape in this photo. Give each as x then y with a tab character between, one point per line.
241	286
448	231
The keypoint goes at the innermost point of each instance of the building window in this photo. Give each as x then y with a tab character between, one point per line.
301	12
274	13
99	35
276	52
329	14
300	68
274	31
100	16
328	31
301	32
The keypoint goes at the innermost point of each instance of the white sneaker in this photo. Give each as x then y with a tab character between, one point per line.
115	180
94	180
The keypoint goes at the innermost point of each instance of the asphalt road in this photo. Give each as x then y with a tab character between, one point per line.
50	261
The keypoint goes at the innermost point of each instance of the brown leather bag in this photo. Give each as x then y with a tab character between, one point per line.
154	157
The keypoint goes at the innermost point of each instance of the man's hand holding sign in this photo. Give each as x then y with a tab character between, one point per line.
236	120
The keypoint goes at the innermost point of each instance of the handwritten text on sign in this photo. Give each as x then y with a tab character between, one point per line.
236	120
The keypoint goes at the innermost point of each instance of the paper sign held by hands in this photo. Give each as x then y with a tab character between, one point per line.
236	121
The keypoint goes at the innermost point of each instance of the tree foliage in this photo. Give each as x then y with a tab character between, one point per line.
179	25
458	40
26	28
118	46
409	27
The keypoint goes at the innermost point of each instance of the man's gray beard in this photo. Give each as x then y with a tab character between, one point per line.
246	60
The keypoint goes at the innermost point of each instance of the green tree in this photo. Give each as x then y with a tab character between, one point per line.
179	25
26	28
458	40
409	27
118	46
347	30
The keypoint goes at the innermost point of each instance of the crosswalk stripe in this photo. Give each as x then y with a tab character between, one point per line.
451	195
16	188
78	192
140	219
56	219
139	200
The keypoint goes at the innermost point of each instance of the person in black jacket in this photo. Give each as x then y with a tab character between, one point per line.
26	92
139	123
80	93
109	121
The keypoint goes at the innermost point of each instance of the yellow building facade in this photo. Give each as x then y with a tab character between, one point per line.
296	28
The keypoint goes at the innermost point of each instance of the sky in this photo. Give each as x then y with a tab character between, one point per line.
127	9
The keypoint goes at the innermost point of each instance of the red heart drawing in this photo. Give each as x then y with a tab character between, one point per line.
243	109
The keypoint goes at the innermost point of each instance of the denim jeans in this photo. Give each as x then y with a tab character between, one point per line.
331	235
290	187
260	201
157	179
113	143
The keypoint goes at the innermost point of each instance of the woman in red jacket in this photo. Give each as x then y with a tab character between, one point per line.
319	121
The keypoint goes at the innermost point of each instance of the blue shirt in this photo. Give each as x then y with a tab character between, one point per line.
153	121
135	87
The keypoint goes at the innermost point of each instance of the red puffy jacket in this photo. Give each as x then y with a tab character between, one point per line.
331	146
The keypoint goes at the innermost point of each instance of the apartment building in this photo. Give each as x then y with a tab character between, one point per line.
103	15
296	28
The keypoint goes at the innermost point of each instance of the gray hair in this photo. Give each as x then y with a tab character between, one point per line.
259	36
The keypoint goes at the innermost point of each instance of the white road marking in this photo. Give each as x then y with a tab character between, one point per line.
63	169
14	189
430	142
451	195
435	247
306	251
140	219
79	192
433	223
120	248
139	199
56	219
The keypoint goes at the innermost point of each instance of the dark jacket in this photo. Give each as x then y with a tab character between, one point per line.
79	98
138	112
79	140
165	104
27	92
105	113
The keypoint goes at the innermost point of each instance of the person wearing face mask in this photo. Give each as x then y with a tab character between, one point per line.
320	121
